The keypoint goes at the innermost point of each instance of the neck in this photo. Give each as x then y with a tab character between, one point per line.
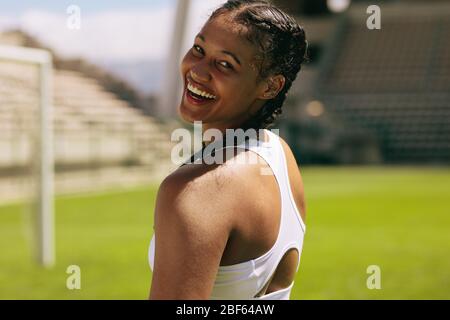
213	136
222	129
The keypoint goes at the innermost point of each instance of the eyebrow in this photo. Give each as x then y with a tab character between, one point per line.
201	37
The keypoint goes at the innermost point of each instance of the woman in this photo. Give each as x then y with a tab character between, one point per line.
224	230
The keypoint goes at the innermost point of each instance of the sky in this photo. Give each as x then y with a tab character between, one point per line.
89	6
110	30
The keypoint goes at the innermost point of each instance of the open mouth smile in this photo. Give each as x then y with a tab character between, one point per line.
197	96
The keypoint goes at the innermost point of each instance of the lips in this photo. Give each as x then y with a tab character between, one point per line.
195	100
200	86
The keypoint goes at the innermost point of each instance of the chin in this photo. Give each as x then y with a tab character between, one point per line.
190	113
185	114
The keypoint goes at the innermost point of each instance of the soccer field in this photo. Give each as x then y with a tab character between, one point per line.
395	217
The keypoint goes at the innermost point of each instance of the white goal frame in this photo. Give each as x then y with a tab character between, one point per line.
44	222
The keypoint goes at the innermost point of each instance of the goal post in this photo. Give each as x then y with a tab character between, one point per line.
171	81
44	218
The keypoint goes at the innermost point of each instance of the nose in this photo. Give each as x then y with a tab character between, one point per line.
199	73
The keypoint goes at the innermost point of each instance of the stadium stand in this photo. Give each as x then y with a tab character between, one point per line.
385	89
96	134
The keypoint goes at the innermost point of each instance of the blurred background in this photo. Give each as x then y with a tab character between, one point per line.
368	120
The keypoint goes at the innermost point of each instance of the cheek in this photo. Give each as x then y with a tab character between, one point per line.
186	63
238	90
236	100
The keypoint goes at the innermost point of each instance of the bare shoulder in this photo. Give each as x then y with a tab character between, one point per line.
193	219
295	179
205	195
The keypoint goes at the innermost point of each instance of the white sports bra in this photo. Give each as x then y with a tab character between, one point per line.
245	280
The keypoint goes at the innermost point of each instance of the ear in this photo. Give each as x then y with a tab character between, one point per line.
272	86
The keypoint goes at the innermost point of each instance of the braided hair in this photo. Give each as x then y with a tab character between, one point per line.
282	48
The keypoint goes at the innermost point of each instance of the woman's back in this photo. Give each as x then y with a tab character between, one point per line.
263	248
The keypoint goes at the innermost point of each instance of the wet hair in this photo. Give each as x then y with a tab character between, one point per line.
281	43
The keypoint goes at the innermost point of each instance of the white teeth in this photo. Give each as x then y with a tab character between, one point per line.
200	92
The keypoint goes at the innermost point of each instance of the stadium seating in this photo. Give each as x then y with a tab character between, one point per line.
393	83
93	130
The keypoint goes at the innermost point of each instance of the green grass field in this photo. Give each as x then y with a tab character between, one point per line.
396	218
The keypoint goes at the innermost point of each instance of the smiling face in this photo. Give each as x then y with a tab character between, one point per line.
221	86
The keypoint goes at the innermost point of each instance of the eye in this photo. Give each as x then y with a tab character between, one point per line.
226	65
197	49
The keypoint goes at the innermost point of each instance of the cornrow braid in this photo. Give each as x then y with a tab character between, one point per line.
282	46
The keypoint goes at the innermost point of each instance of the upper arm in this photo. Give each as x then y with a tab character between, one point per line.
191	232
